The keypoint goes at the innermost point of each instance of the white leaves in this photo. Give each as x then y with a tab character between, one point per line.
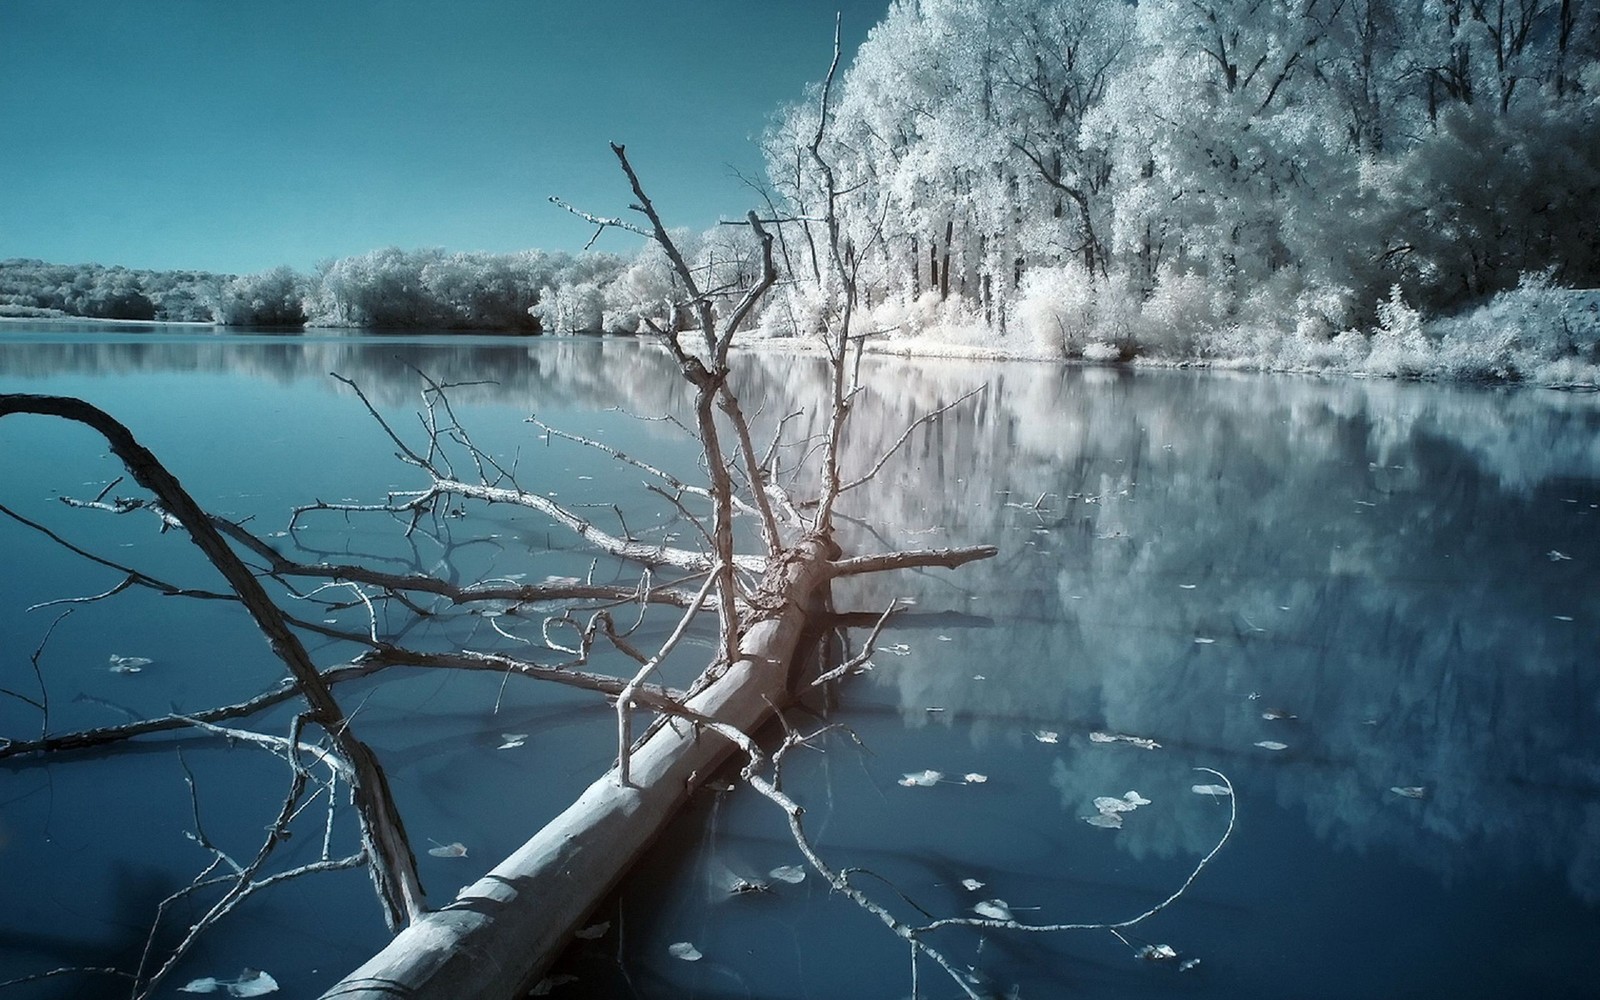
1137	741
898	649
251	983
1219	791
1188	964
1157	953
453	850
512	741
1410	791
685	951
993	909
921	779
1277	714
974	778
1046	736
594	932
1109	809
1201	640
792	874
1557	556
971	884
1271	745
129	665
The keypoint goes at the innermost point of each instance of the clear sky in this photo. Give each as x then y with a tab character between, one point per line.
236	135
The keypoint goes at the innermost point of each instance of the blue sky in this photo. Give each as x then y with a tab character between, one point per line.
235	135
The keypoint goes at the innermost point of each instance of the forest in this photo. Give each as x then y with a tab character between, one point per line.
1344	184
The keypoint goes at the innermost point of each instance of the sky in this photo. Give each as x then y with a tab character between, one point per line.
238	135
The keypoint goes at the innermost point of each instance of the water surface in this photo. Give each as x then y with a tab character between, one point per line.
1396	573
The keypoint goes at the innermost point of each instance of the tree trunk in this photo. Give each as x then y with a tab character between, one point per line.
502	933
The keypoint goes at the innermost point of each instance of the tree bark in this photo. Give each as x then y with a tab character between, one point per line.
502	933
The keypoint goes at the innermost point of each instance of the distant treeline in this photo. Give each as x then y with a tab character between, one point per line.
533	291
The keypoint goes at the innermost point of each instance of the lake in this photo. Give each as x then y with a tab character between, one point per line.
1367	603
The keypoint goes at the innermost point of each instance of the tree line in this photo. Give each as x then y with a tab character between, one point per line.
1289	179
1152	175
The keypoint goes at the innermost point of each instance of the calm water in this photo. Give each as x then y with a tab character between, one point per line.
1403	569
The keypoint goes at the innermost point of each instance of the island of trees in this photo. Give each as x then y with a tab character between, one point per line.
1293	183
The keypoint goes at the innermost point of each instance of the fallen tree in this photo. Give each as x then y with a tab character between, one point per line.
497	938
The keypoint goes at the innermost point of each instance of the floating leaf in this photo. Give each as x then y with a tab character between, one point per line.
1204	640
933	709
1556	556
1218	790
593	932
921	779
898	649
1410	791
252	983
129	664
1187	586
993	909
1134	798
206	985
1562	618
1271	745
1138	741
1109	821
1188	964
1275	714
792	874
974	778
454	850
512	741
685	951
1158	953
971	884
1108	805
1046	736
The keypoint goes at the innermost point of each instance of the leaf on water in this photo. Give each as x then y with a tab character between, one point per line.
898	649
1410	791
1275	714
1187	586
979	677
1158	953
593	932
512	741
1217	790
1135	799
1188	964
1108	805
921	779
1271	745
1557	556
685	951
129	664
1204	640
944	638
206	985
1138	741
454	850
1108	821
1562	618
549	983
252	983
792	874
971	884
993	909
934	709
974	778
1046	736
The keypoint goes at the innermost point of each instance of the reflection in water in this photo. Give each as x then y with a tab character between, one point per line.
1397	574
